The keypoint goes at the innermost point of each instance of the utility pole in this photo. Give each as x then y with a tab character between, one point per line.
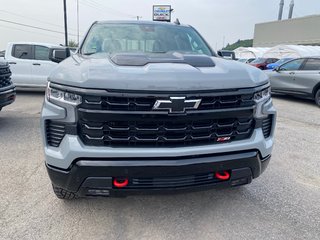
65	22
78	29
223	42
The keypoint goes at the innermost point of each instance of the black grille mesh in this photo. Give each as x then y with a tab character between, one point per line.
55	133
155	133
173	182
267	126
5	75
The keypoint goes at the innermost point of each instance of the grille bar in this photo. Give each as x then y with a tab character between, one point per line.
147	103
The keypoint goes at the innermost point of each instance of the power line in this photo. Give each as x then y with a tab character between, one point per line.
35	27
33	19
98	7
22	30
112	9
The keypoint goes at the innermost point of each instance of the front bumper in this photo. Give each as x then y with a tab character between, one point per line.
94	177
7	96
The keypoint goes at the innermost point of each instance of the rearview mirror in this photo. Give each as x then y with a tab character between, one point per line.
57	55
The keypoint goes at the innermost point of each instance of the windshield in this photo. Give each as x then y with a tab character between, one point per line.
283	61
243	60
145	38
259	60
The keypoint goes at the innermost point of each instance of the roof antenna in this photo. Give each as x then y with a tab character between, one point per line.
177	22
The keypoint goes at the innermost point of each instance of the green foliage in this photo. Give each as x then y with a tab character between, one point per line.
239	43
73	44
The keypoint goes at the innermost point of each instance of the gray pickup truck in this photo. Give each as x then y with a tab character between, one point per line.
7	89
148	107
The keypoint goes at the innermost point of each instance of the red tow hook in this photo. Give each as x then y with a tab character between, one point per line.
224	176
120	183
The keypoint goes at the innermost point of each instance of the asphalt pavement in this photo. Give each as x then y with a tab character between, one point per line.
284	203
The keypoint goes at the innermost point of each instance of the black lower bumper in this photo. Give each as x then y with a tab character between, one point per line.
94	177
7	96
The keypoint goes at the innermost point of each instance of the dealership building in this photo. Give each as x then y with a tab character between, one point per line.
296	31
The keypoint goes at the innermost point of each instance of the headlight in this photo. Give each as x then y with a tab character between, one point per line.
261	98
263	95
57	95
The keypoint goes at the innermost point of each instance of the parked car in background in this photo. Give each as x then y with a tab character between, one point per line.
299	77
246	60
278	63
30	64
7	89
263	62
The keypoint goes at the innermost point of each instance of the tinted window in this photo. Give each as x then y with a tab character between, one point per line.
22	51
312	65
259	60
150	38
41	53
283	60
293	65
272	60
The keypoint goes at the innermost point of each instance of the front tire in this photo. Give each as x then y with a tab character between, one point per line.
317	98
63	194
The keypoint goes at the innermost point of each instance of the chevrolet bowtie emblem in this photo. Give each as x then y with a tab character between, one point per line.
176	104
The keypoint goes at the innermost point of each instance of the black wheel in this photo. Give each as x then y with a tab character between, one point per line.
63	194
317	97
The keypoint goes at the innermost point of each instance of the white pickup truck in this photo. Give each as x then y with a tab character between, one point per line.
30	63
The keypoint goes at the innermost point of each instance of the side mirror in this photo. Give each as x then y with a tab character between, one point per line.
57	55
219	53
277	69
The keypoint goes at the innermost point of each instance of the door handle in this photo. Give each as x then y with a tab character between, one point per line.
36	64
292	73
12	63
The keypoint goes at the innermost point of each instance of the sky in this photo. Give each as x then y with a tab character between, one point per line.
219	21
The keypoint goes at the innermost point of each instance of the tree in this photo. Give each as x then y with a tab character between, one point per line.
73	44
239	43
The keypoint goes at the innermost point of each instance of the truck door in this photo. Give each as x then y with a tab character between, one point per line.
41	65
20	60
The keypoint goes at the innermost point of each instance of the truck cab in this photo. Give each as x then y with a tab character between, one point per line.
30	63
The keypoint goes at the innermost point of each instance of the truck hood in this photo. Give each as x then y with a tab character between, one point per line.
101	71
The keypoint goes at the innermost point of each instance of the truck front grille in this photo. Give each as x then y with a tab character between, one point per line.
5	79
155	132
115	103
117	121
